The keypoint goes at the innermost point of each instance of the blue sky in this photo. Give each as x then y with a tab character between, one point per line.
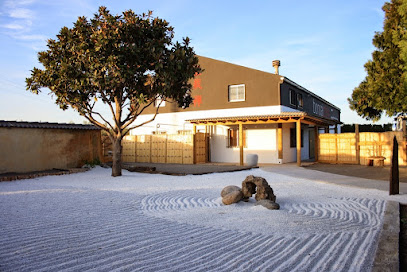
322	45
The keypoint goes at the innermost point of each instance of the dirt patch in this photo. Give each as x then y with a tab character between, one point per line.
360	171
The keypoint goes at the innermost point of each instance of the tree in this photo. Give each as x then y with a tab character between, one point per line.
385	87
128	62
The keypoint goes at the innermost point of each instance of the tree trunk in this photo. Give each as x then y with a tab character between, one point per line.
117	157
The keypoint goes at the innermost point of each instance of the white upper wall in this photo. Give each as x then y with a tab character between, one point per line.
172	122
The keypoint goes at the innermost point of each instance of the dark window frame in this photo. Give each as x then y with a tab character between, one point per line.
233	138
292	98
300	100
293	137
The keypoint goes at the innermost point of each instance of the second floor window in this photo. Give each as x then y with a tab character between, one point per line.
236	93
293	98
300	101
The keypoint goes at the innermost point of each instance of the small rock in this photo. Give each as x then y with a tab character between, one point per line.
229	189
267	203
232	197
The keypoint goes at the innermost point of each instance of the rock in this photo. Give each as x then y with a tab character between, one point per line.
229	189
259	186
268	204
232	197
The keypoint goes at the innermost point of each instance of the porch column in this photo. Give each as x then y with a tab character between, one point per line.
298	142
241	142
194	129
280	141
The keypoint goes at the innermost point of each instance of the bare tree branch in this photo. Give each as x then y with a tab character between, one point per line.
133	118
142	124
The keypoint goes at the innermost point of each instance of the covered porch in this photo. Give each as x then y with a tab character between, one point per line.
286	130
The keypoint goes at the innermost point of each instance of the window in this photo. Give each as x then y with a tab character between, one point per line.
293	98
236	93
300	101
233	138
293	137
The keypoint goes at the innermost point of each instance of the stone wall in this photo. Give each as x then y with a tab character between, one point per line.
36	149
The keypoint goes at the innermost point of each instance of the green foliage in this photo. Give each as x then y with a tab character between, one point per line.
385	87
126	61
92	163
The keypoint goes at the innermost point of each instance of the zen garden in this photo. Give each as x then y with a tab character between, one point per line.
190	163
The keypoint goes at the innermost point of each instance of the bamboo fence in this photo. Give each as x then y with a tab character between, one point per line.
166	148
360	148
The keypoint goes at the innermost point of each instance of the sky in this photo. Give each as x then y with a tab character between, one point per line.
322	45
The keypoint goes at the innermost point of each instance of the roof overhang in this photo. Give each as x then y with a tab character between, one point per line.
285	117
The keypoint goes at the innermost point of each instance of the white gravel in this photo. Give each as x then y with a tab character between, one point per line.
147	222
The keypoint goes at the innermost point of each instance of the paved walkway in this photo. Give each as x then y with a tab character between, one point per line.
295	171
188	169
290	169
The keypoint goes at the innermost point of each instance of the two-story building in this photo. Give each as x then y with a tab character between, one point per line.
247	111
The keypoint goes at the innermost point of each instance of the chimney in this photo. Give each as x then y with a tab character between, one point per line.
276	64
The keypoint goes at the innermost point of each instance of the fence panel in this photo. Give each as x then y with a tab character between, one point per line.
342	148
176	148
346	144
143	148
187	149
201	147
129	149
158	148
327	148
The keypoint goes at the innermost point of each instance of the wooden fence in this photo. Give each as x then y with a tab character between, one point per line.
171	148
357	148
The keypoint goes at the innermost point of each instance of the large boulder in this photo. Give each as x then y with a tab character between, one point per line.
259	186
229	189
232	197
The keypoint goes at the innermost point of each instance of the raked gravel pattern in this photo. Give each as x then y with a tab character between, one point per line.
141	222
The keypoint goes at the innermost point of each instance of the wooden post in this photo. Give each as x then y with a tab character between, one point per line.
151	143
298	142
194	148
241	142
280	141
336	147
316	149
166	148
194	129
394	173
357	147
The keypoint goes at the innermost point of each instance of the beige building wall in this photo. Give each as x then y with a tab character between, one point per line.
36	149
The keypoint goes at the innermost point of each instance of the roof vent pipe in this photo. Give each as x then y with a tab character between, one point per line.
276	64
